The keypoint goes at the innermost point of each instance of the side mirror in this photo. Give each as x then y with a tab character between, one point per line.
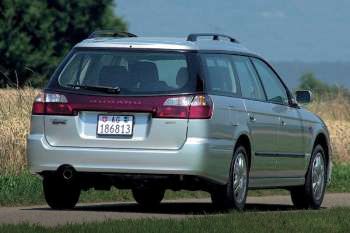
303	96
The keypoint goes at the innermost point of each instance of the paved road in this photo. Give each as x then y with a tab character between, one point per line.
169	209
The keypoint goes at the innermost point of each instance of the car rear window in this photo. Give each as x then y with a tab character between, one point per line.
133	72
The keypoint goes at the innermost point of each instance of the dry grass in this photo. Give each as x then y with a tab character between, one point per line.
336	114
15	111
340	137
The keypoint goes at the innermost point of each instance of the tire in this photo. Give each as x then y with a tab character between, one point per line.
148	197
234	194
310	196
60	194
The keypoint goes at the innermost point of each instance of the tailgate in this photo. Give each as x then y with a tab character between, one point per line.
80	130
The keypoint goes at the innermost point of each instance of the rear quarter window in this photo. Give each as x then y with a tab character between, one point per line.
220	75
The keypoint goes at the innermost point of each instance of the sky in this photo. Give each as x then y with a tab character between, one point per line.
280	30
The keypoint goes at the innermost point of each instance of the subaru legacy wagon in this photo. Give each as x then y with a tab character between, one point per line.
195	113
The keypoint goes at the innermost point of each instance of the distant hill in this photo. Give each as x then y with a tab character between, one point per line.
330	72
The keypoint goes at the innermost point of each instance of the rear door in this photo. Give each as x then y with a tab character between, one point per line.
289	144
222	85
261	119
148	80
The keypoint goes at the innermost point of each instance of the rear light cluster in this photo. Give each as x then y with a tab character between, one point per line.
197	107
180	107
51	104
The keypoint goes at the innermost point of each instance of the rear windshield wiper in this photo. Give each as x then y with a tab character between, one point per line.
114	90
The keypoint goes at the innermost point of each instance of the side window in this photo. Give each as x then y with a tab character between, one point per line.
220	75
275	91
249	82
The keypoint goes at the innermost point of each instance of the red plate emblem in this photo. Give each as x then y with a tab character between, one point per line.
104	119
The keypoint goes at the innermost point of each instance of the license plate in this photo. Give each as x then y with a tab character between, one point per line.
115	125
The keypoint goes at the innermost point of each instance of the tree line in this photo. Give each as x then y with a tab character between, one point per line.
319	89
36	34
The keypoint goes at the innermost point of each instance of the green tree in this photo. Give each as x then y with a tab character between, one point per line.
308	81
36	34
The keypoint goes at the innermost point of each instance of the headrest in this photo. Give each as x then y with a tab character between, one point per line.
147	71
112	75
182	77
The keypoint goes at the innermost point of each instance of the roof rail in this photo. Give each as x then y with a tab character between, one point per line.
194	36
110	33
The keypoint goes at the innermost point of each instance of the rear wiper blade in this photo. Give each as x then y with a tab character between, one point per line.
114	90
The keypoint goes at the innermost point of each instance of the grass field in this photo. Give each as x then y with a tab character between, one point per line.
18	187
331	221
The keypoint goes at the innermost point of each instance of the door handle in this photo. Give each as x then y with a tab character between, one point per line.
252	118
283	123
58	122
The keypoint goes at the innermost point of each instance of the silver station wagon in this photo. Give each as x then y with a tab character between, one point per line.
195	113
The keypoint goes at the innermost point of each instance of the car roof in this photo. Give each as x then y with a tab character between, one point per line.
167	43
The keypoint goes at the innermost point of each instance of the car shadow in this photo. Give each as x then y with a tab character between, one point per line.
172	208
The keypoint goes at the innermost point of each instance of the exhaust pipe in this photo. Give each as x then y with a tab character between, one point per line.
67	173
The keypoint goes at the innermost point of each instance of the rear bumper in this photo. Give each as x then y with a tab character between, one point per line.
208	158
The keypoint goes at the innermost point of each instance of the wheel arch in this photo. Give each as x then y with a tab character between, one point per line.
245	141
321	139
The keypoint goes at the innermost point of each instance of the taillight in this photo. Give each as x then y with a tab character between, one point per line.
51	104
186	107
201	107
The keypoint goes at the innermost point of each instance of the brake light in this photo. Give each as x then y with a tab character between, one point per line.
51	104
201	107
186	107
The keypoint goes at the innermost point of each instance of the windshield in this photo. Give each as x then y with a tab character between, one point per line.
130	72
